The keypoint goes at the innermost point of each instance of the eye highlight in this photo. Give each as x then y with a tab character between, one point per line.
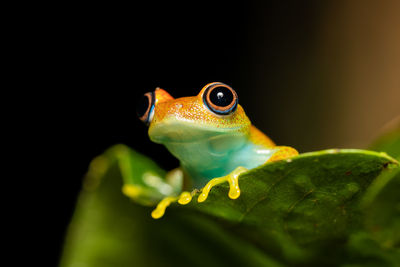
145	107
220	98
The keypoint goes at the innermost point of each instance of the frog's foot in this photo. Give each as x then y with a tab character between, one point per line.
183	199
283	152
232	179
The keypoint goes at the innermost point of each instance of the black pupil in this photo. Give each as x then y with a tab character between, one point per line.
221	96
142	106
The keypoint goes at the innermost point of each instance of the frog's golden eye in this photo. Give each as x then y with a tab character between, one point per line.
220	98
145	107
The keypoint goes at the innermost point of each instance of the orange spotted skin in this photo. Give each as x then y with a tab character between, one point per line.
207	144
192	109
162	95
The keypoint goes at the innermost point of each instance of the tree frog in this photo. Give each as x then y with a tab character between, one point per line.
211	136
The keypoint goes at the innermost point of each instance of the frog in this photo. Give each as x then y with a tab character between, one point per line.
211	136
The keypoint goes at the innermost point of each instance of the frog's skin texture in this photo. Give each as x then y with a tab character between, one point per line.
208	143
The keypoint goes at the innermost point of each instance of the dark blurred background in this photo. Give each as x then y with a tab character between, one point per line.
310	74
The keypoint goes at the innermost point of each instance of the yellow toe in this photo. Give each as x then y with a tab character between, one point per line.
160	209
185	198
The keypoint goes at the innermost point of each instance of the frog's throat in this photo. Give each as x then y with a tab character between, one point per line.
185	197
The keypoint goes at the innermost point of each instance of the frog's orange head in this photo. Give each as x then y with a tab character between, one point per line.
214	111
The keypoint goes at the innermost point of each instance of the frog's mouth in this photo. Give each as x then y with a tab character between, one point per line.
174	132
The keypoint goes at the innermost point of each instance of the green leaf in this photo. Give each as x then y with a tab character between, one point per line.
108	229
298	212
301	209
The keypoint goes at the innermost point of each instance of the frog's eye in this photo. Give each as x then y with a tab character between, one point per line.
145	107
220	98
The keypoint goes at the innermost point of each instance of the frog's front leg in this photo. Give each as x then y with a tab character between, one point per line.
185	197
282	152
233	180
